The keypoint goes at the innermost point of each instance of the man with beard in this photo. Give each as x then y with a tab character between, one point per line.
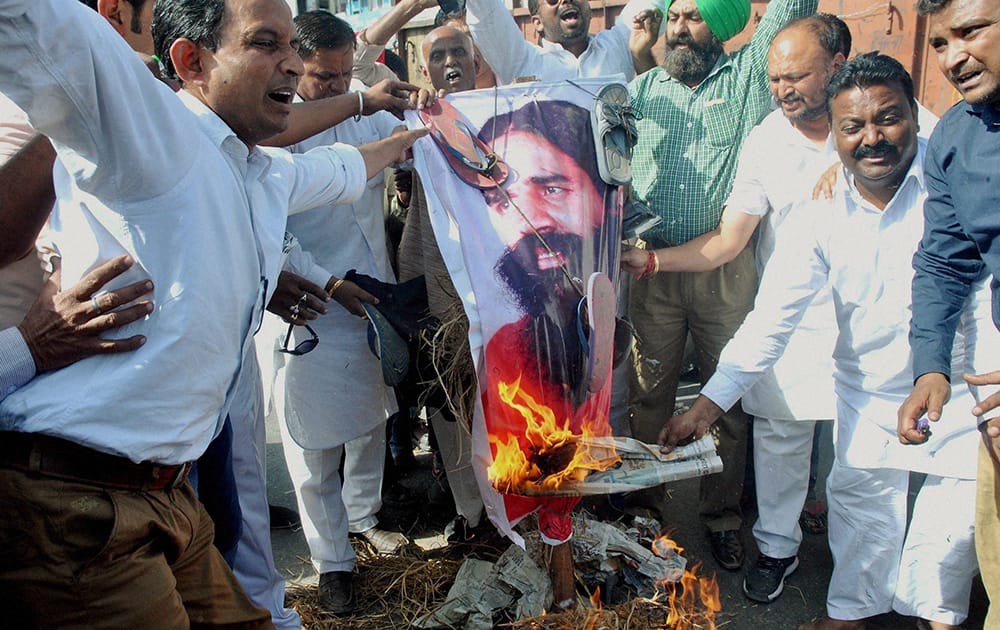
779	164
548	213
697	109
860	244
567	50
959	244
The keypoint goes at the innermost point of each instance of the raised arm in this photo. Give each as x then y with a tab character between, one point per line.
500	40
83	87
778	13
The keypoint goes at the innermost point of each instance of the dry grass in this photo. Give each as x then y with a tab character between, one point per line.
391	591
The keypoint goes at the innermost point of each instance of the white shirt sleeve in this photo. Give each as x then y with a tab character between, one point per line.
301	262
795	273
749	195
17	366
322	176
500	40
119	130
366	67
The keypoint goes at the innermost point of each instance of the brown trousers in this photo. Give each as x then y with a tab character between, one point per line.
75	555
709	305
988	531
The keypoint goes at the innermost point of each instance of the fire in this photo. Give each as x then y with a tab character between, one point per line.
693	602
594	615
553	456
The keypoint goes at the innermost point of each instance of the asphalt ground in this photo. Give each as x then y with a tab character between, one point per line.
805	590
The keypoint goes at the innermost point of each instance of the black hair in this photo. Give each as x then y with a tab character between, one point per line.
830	32
137	5
197	20
322	29
867	70
564	125
930	7
397	64
533	7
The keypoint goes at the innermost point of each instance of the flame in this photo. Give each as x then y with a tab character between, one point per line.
554	454
594	615
693	602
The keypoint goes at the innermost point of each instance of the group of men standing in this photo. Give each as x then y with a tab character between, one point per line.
106	529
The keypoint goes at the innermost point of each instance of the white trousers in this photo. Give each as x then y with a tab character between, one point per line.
253	563
781	456
331	507
879	566
455	444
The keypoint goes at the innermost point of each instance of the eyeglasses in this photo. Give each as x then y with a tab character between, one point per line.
303	347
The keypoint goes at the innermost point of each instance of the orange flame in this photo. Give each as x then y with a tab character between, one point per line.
594	614
554	454
693	602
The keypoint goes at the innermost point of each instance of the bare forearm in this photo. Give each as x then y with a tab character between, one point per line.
310	118
388	25
709	251
643	61
26	198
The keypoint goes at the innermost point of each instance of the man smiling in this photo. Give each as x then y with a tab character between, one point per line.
861	244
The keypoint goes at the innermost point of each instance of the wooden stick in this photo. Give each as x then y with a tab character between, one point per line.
561	574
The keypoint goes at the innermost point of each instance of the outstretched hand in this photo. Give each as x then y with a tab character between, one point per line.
62	327
390	95
691	425
350	296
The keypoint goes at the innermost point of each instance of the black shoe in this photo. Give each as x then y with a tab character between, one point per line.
766	579
336	592
727	548
283	518
459	531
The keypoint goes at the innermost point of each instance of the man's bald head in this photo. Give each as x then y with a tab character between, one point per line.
449	59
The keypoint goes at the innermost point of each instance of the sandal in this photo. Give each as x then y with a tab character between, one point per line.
473	160
613	120
599	337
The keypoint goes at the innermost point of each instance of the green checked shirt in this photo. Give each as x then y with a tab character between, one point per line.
689	140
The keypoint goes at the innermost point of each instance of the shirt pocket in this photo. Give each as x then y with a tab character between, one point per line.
720	120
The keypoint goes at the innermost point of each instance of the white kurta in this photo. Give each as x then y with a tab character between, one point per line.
865	255
335	393
778	168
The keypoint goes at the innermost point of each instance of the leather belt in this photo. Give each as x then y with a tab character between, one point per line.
61	459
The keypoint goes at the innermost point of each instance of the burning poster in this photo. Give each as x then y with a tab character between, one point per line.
532	248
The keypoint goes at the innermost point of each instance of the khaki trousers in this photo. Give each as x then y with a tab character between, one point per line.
988	531
76	555
709	305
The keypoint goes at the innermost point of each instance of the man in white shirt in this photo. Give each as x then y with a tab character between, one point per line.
567	49
779	164
861	244
332	402
179	185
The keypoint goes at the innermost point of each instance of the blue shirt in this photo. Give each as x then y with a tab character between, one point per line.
961	230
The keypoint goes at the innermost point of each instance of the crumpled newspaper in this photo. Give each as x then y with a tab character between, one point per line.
482	587
518	584
642	466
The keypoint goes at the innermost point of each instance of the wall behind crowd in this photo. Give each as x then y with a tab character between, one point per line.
894	28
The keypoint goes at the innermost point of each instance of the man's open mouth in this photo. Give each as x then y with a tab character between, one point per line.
453	75
570	15
282	95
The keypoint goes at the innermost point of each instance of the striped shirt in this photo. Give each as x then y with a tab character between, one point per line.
689	139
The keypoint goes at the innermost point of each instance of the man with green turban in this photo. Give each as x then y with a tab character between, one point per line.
697	109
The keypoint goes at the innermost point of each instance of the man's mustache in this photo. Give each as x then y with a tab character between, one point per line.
879	149
683	38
